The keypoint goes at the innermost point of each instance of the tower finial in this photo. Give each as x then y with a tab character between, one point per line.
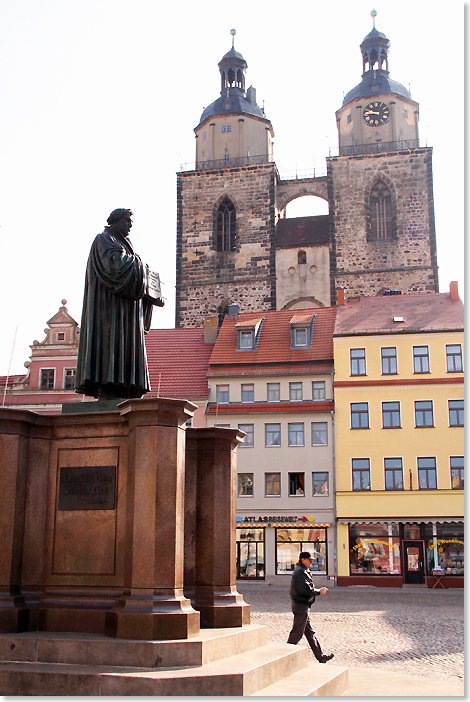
233	32
373	14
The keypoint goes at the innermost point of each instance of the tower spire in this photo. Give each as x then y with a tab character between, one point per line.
233	32
373	14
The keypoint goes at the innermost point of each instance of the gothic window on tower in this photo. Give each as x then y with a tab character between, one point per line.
225	225
381	219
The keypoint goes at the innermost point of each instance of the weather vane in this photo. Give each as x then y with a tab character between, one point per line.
373	14
233	32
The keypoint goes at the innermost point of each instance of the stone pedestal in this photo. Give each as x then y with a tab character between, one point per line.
153	605
210	540
24	439
98	534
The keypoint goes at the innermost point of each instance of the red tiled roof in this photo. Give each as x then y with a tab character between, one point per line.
250	322
274	341
300	318
421	312
178	361
11	379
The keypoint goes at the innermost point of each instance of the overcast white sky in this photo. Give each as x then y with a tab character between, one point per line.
99	101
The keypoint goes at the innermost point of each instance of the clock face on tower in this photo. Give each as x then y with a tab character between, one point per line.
376	113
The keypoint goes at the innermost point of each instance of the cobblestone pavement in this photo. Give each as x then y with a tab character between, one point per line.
409	631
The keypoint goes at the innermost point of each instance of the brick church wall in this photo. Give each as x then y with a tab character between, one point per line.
408	262
205	278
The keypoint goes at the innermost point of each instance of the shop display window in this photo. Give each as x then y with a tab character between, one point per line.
290	543
445	548
250	554
374	549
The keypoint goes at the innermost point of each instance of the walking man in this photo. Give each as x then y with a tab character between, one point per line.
303	593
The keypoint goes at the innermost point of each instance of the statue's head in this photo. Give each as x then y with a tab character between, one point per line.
121	219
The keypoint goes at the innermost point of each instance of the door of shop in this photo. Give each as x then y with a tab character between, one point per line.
250	560
413	566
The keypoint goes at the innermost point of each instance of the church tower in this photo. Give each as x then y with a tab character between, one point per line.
382	231
226	209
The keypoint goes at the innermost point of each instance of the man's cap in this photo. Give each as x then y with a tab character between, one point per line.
304	554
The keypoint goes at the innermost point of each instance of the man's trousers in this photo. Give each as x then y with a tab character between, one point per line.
302	626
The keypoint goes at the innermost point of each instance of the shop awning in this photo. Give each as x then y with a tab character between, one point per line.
402	520
295	525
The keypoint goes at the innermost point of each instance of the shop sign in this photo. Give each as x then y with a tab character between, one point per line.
373	541
444	541
282	519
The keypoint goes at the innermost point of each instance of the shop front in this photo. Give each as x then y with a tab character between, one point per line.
268	547
397	553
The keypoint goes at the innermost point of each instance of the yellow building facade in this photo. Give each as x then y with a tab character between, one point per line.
399	449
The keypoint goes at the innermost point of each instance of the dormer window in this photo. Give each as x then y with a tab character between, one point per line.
301	331
248	332
246	339
300	336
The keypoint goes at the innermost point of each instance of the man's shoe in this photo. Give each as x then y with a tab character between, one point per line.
325	659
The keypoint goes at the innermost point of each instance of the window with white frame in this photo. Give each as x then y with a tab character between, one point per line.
248	392
296	484
246	337
47	378
272	484
389	360
222	394
295	392
360	474
245	485
359	415
427	473
320	484
454	358
358	361
421	359
296	434
319	433
318	390
456	413
274	392
272	434
393	473
248	332
249	440
424	413
300	337
391	415
456	472
69	378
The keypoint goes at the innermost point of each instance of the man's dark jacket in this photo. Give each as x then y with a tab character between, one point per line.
302	589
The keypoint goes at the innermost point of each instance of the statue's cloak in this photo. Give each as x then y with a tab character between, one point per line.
111	351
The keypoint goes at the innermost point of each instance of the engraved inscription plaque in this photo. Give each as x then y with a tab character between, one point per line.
90	487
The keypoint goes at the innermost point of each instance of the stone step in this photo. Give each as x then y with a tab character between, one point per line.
316	680
74	649
238	675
